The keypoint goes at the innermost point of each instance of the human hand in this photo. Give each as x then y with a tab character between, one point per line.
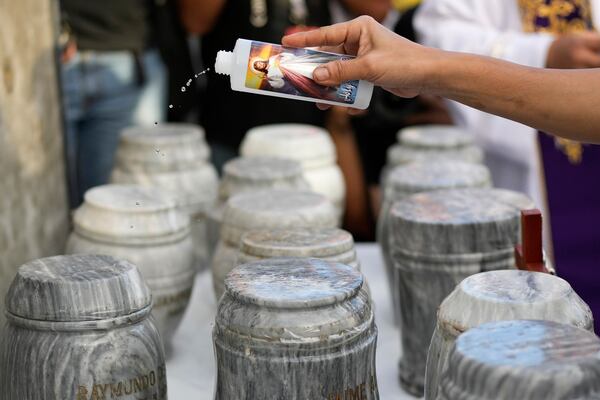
382	57
578	50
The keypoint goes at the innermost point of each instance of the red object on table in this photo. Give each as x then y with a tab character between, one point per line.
529	255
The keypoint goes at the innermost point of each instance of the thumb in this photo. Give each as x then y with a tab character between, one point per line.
339	71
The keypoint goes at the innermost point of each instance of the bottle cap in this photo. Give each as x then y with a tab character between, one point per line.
224	63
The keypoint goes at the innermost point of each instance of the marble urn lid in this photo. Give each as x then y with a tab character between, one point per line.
318	243
276	208
257	171
461	221
435	137
305	143
512	294
129	213
295	300
164	147
77	288
524	360
433	175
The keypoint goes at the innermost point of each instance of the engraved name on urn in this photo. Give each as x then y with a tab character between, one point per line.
79	327
295	329
142	225
440	238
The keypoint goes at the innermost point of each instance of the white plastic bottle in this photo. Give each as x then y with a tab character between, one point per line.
274	70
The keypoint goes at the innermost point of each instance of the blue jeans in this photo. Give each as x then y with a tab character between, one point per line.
102	96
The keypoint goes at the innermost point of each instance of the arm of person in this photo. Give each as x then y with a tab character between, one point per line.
377	9
199	16
561	102
490	28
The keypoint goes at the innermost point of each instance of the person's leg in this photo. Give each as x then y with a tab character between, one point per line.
114	96
73	91
152	105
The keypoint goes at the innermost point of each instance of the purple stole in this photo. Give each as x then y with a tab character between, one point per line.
572	172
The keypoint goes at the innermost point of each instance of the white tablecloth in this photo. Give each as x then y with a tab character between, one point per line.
191	367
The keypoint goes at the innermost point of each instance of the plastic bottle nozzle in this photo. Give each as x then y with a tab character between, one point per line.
224	62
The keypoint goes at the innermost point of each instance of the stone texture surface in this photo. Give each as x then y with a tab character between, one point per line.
33	200
295	328
311	146
496	296
174	158
440	238
79	328
252	174
417	177
269	209
331	244
534	360
431	143
142	225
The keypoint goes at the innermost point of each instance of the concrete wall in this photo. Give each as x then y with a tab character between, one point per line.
33	203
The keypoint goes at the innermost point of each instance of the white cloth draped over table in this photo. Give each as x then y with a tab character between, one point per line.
493	28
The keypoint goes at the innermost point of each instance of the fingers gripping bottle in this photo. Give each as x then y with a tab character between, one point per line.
274	70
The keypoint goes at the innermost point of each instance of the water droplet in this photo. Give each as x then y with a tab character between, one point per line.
183	88
155	123
170	105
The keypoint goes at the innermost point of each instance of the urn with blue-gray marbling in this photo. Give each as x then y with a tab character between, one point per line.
175	158
496	296
142	225
79	327
523	359
295	329
417	177
252	174
267	209
431	143
440	238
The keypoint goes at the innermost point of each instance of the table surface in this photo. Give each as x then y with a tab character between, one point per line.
191	366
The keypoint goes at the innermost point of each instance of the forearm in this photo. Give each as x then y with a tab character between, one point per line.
199	16
560	102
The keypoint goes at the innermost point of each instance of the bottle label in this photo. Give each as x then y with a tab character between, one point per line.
290	71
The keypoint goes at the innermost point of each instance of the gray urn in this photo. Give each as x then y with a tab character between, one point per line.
252	174
496	296
267	209
295	329
524	359
418	177
440	238
173	157
79	327
432	143
141	225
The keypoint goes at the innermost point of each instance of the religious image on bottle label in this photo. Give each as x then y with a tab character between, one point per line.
290	71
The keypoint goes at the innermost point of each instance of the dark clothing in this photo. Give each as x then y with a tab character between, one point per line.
227	115
574	206
376	131
107	25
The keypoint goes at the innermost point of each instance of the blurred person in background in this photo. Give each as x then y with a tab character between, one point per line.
557	173
376	130
227	115
113	76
